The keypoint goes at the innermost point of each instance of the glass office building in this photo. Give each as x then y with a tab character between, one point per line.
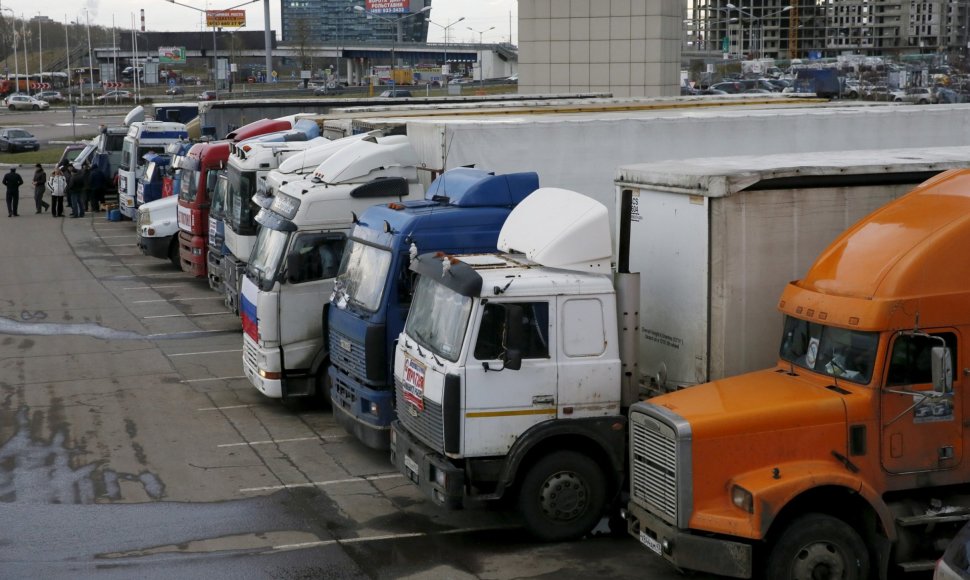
336	22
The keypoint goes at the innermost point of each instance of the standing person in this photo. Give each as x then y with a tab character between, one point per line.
40	183
95	186
13	181
58	186
75	188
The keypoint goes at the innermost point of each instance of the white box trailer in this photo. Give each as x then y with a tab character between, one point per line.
716	240
580	150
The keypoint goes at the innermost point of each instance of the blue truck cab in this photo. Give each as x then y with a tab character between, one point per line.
217	232
463	211
152	184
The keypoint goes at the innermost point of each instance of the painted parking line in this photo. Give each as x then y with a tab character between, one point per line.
223	408
155	287
293	440
130	276
178	300
120	245
385	537
106	237
213	379
187	315
362	478
185	333
205	352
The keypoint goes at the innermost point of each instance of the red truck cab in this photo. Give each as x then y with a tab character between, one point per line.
200	168
199	171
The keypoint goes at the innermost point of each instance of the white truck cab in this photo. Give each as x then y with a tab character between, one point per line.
507	374
143	137
298	250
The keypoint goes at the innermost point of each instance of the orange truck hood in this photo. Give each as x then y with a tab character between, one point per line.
768	401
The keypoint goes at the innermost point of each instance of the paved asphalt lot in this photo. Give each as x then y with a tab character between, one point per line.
131	445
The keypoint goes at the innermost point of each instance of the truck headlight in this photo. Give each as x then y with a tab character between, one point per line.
374	409
440	477
197	251
742	499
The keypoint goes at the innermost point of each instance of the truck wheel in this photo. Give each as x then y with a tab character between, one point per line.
173	253
818	546
562	496
321	387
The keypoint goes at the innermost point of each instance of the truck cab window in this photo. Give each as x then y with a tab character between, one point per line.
909	363
321	256
489	345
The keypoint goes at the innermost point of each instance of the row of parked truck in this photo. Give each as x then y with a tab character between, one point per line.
587	356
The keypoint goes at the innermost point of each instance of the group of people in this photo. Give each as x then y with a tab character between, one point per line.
84	188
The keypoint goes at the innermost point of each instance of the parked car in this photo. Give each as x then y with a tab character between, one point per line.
115	97
175	90
955	565
396	93
207	96
26	103
50	96
17	140
919	95
729	87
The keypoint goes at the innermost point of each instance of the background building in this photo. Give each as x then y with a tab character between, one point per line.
625	47
808	29
335	21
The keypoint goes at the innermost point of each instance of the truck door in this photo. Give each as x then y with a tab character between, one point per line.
920	433
502	404
303	294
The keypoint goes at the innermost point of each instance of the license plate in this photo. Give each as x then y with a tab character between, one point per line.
414	383
649	542
412	467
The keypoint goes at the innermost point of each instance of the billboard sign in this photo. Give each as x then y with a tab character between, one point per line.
171	54
388	6
225	18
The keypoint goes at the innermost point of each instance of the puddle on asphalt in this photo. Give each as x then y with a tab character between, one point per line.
31	326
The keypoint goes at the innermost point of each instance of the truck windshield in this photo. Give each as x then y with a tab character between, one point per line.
838	352
438	318
127	155
266	257
239	204
190	185
360	280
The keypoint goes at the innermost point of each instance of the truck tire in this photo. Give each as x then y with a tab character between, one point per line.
818	546
173	253
562	496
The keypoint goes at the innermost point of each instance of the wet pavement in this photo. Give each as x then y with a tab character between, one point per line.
132	446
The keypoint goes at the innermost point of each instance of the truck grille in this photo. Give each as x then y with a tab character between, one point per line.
426	425
654	466
249	354
347	355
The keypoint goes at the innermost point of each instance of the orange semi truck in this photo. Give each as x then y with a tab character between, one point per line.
844	460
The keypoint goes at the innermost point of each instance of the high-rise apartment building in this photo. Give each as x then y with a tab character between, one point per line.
828	28
336	21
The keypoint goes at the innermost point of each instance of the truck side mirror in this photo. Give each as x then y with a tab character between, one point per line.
513	340
941	365
294	267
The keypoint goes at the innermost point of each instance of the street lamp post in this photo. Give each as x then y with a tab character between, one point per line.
444	75
481	65
215	50
16	64
398	37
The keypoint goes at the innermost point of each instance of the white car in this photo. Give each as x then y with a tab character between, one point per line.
26	103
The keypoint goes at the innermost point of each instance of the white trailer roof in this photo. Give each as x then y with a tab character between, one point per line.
724	176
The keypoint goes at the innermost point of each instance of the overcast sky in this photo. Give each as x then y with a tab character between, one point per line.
161	15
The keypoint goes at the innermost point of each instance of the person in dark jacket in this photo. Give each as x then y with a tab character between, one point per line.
13	181
75	189
95	185
40	183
